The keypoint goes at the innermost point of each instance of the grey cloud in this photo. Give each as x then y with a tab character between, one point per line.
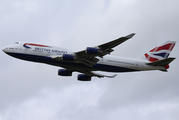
35	91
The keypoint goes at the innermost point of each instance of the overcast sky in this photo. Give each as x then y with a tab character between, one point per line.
34	91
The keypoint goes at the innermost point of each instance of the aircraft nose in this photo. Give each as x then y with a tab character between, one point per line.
4	50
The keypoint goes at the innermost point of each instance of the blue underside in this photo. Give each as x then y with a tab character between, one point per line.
162	55
49	60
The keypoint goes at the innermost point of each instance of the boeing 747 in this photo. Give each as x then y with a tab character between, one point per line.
92	58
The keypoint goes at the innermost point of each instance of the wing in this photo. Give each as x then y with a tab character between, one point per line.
90	73
89	57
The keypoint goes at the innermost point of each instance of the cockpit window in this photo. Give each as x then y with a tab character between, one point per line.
16	42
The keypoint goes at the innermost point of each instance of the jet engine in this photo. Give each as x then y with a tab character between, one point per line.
90	50
63	72
68	57
82	77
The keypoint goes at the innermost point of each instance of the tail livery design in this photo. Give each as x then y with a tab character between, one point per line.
161	54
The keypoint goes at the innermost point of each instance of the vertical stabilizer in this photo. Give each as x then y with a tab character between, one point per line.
159	55
160	52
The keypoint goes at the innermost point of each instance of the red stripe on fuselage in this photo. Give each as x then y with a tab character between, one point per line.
35	45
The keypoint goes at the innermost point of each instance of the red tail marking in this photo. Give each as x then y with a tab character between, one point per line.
151	59
172	47
146	55
164	47
167	66
153	49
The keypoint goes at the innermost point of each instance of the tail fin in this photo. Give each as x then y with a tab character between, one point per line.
160	54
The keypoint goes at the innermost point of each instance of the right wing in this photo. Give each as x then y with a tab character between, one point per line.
91	73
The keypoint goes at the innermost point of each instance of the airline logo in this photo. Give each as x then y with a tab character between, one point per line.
160	52
26	45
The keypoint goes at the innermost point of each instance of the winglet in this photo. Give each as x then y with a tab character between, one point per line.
130	36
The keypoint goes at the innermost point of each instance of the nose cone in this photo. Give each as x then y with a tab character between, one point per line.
4	50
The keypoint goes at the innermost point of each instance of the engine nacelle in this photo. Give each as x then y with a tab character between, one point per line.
82	77
63	72
67	57
90	50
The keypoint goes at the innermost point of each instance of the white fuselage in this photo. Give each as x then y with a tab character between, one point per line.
44	54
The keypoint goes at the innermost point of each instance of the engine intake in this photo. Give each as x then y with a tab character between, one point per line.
82	77
63	72
67	57
90	50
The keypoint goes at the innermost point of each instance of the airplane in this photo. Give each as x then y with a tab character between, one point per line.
93	59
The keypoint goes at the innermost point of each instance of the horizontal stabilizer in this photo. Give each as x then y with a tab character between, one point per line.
162	62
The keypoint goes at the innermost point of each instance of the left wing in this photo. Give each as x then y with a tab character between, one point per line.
88	56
